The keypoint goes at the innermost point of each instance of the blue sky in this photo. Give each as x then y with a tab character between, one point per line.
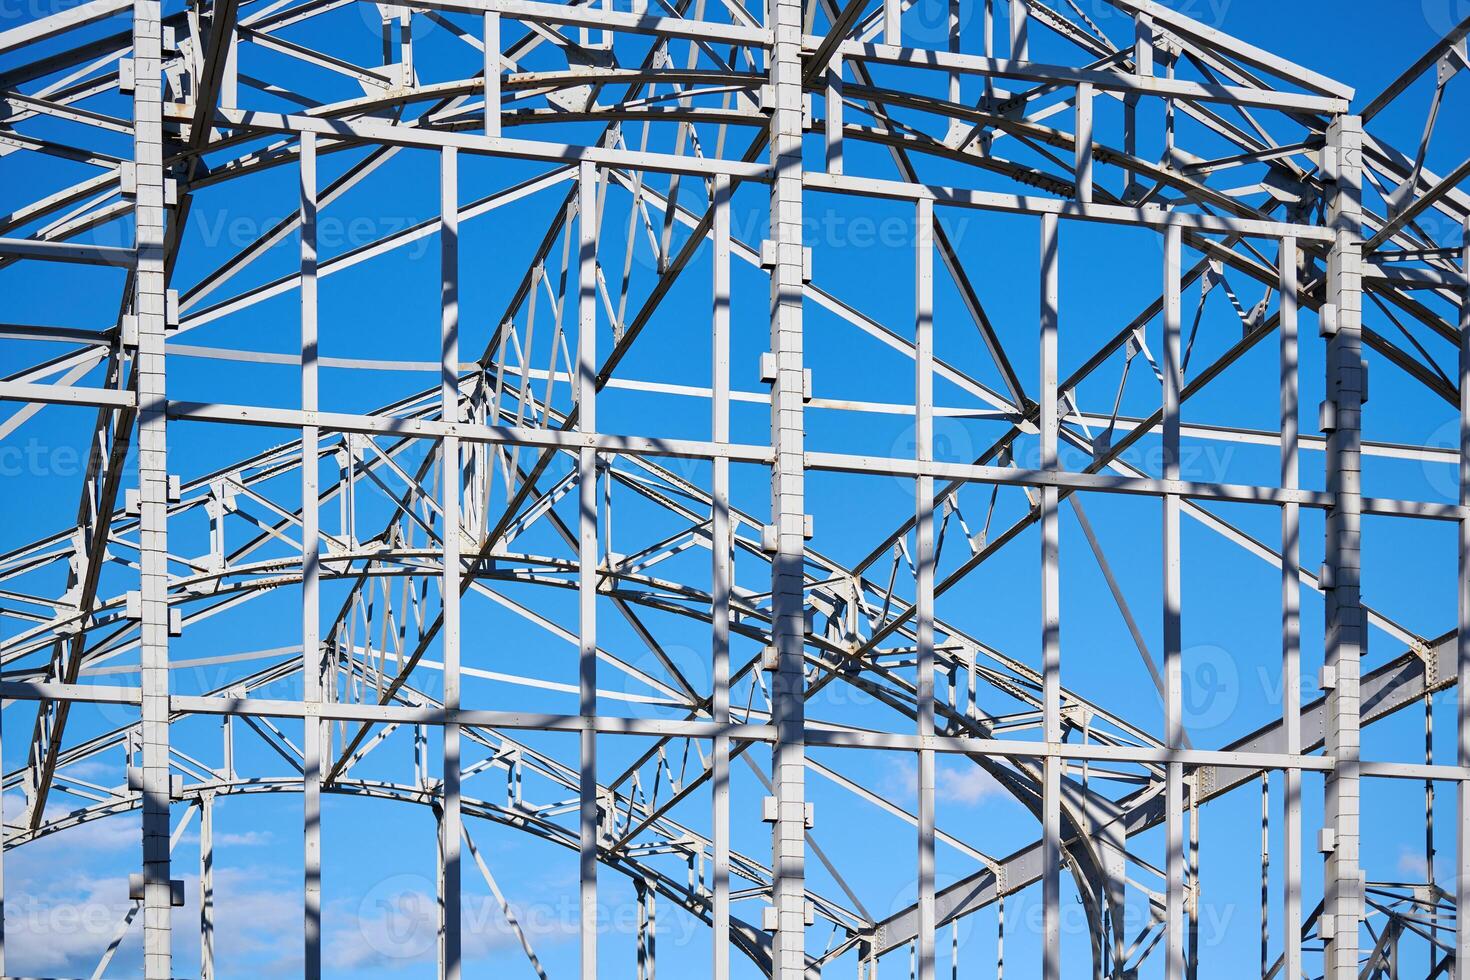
66	893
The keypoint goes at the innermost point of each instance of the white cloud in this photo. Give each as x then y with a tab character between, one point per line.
966	784
96	770
68	893
1412	868
248	838
900	780
1412	865
962	783
56	922
394	925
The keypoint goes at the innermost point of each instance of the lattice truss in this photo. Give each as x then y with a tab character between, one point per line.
645	639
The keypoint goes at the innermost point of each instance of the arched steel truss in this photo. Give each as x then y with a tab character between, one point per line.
670	108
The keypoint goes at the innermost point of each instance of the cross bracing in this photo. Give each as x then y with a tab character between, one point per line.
616	457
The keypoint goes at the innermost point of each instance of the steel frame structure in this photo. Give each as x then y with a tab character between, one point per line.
507	451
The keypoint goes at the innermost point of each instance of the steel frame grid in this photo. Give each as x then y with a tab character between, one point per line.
192	127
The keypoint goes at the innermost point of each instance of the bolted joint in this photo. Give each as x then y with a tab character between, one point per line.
770	919
133	610
133	499
770	659
769	258
1329	164
1327	320
137	890
770	534
1327	415
175	783
769	373
771	811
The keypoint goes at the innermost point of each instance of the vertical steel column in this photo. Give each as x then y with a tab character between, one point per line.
587	556
1020	31
1429	849
229	86
311	645
988	30
1291	599
206	887
2	870
640	945
650	922
492	73
450	819
1173	654
405	48
1000	936
1051	613
720	577
1083	138
1265	873
1346	636
1462	636
788	494
924	568
1143	66
1191	963
150	308
953	32
834	111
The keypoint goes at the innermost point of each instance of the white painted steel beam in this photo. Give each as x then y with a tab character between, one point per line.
472	471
